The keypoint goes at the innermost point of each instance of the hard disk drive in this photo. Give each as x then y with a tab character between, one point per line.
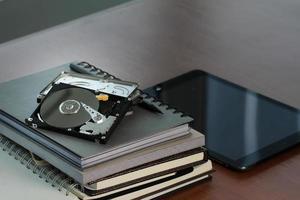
83	106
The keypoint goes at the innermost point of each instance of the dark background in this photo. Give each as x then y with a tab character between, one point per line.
19	18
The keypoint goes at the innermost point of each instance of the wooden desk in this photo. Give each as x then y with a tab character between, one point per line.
277	179
254	43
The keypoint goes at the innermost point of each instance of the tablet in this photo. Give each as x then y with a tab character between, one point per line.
241	126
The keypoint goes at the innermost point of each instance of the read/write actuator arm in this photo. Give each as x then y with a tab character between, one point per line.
137	96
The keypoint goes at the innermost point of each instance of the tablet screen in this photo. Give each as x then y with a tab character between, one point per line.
241	126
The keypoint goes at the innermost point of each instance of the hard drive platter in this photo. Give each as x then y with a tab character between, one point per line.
63	109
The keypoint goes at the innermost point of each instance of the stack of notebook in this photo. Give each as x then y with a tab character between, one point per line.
148	155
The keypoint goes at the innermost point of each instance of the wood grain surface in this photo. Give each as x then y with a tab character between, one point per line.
254	43
277	178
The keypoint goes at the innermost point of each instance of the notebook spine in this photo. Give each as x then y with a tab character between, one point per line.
47	172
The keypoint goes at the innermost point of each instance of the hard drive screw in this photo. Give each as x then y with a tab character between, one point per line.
30	119
34	125
158	88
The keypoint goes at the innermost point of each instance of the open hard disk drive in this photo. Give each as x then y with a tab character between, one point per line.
83	106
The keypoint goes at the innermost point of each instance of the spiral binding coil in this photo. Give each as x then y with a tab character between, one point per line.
51	175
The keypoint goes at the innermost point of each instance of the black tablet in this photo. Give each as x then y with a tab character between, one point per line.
242	127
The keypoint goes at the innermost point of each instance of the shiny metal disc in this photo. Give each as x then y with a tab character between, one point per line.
62	109
69	107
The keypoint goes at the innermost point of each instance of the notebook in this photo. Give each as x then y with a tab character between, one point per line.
31	183
150	170
143	128
17	182
145	155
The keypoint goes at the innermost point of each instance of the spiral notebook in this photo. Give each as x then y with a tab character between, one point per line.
144	128
18	182
43	181
141	130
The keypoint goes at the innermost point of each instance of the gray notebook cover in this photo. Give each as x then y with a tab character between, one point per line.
130	160
18	172
143	128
